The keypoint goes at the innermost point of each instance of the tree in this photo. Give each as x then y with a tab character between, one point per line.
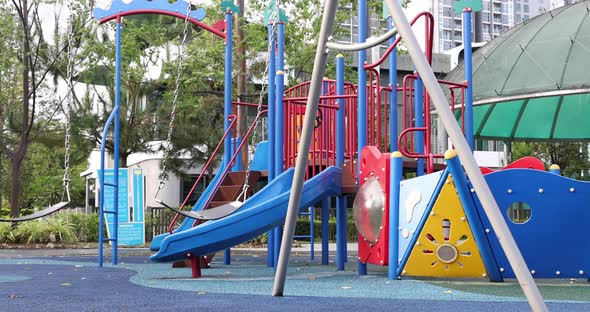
27	60
572	157
145	46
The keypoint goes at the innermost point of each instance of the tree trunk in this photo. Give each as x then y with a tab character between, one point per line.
15	186
20	153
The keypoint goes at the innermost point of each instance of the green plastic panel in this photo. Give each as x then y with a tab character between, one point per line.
536	121
500	122
572	121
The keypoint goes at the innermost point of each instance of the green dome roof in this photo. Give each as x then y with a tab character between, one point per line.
546	58
546	53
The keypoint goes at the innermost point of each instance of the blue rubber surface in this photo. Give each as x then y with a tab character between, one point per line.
50	285
262	212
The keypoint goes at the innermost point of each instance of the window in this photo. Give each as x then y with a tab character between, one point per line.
446	35
447	22
526	8
517	18
504	19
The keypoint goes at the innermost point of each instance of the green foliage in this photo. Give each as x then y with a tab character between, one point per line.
572	157
61	229
7	233
303	228
44	186
84	226
32	232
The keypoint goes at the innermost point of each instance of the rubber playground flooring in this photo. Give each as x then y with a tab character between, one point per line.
69	281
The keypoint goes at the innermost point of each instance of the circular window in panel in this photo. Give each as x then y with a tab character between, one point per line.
367	209
519	212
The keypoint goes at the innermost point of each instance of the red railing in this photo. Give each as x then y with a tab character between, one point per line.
203	171
237	152
323	148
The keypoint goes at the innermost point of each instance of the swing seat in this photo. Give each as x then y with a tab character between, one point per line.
39	214
209	214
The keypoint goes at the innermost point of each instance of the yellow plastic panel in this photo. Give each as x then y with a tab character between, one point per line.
446	247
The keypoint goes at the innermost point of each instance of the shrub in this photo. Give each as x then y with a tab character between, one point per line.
60	228
31	232
6	233
84	226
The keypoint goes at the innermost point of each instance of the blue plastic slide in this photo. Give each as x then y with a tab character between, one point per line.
188	223
262	212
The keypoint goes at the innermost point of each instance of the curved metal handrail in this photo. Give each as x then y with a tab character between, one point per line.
231	161
229	129
430	19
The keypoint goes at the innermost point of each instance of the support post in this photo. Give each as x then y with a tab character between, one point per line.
467	59
227	99
419	122
279	121
393	95
325	230
341	209
555	169
394	195
319	67
467	159
271	131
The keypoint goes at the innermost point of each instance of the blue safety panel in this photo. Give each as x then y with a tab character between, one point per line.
415	194
163	6
553	241
260	161
262	212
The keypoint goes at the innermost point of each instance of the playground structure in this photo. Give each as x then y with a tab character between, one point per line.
446	230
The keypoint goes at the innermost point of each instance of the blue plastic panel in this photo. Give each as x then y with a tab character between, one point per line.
554	238
176	7
260	161
414	197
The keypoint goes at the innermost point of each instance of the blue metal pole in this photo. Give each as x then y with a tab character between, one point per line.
271	131
362	96
325	230
228	100
555	169
468	77
394	195
419	122
362	80
341	238
393	95
117	140
460	180
312	233
227	96
280	85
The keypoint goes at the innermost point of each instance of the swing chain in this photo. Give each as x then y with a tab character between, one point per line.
69	101
258	111
168	146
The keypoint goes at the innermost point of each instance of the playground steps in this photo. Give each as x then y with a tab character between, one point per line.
231	187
